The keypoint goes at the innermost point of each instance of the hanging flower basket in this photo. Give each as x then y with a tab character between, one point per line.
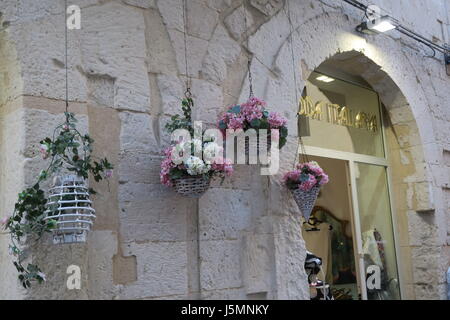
192	186
69	206
306	199
190	175
253	115
304	183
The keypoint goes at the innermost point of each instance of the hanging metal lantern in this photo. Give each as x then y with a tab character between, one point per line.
69	205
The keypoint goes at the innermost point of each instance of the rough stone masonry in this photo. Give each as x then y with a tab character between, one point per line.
126	78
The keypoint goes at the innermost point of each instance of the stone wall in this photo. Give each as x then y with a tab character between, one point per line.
242	239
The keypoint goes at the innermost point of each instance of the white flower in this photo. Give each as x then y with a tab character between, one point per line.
196	166
42	275
197	144
211	151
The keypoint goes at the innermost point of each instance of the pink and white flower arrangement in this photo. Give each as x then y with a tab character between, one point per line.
43	148
306	176
211	164
253	115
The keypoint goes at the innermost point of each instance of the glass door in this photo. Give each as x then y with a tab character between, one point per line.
377	244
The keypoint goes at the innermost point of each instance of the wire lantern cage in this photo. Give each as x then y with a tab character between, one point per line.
69	205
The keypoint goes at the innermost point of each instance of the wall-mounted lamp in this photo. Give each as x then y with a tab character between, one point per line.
376	26
325	79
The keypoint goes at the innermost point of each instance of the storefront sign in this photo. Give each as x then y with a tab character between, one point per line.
336	114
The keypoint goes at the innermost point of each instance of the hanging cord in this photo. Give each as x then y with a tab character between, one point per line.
249	61
300	144
187	93
66	62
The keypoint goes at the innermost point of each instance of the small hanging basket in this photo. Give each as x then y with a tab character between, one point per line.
191	187
306	199
69	205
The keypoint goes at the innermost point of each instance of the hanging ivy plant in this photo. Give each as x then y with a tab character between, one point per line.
68	150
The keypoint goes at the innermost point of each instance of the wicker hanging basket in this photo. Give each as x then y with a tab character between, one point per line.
306	199
191	187
69	204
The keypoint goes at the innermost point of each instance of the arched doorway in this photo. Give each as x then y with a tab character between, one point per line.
356	122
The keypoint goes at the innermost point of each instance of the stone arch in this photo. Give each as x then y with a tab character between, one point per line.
389	69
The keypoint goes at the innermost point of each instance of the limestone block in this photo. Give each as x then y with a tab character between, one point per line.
122	60
28	10
102	248
290	254
137	132
219	5
11	85
224	294
161	269
160	54
441	175
258	262
422	231
241	179
171	90
423	198
220	264
208	99
214	69
145	4
222	51
267	7
196	50
204	27
145	217
224	214
172	13
139	167
100	90
275	32
426	258
54	261
429	291
11	183
41	53
235	22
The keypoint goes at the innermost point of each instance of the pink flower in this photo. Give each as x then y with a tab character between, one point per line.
308	184
293	176
223	165
276	120
43	148
108	173
324	179
166	166
235	121
4	221
251	111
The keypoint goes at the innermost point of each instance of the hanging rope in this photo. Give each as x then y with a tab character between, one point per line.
66	63
187	93
300	144
249	61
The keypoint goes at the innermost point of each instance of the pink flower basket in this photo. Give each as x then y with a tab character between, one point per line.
305	182
306	200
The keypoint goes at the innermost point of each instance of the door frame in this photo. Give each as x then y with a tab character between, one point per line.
352	159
